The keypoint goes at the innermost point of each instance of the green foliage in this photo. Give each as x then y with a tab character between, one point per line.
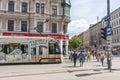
75	42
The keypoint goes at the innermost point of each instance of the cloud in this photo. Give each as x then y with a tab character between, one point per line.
85	12
88	9
75	27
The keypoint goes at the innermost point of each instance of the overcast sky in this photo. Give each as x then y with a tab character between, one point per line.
85	12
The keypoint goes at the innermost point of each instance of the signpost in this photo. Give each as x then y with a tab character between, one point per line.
109	31
109	35
107	18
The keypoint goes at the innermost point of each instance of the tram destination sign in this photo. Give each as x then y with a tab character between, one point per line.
40	42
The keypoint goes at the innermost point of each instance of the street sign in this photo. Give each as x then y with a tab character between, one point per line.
107	18
109	31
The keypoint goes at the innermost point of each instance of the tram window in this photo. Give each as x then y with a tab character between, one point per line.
40	50
51	48
5	49
33	50
24	48
1	47
11	47
57	49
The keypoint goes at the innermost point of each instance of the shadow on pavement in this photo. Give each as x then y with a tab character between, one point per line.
95	73
87	74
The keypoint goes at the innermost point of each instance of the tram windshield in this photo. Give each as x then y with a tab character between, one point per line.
54	48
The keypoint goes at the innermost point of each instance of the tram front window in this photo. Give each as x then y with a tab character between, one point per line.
57	49
54	48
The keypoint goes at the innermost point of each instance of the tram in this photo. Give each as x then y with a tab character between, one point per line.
15	49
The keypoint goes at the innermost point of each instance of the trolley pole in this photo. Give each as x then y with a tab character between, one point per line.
109	36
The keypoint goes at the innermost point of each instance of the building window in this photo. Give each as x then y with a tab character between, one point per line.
40	27
112	24
119	21
116	15
119	14
10	25
37	7
42	8
11	6
24	7
117	39
54	10
23	26
64	29
117	31
54	28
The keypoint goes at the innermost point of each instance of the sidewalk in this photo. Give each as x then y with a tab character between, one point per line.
65	71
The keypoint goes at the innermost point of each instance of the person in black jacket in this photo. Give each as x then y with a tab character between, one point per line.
74	58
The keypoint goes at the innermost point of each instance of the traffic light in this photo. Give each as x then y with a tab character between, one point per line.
103	33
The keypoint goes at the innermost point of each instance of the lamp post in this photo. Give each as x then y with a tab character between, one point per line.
29	18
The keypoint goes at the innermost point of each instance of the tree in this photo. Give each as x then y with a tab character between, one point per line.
75	42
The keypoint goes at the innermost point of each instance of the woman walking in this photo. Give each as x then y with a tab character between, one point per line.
102	56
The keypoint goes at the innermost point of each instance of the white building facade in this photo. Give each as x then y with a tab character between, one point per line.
115	23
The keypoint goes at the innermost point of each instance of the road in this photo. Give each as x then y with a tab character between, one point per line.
65	71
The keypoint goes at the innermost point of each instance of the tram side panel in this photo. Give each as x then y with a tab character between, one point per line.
15	51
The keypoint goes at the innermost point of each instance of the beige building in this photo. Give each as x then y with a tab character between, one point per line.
81	37
37	18
86	39
96	42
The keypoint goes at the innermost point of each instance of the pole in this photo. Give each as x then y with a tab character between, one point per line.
98	45
29	18
109	37
29	48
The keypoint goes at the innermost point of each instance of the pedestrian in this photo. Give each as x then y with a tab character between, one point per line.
98	55
102	56
88	55
93	53
81	58
74	58
70	56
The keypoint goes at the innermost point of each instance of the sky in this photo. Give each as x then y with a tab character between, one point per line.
85	12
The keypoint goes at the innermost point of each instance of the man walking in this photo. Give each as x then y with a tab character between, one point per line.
74	58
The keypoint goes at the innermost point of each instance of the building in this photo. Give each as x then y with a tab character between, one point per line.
81	37
86	39
37	18
115	23
96	42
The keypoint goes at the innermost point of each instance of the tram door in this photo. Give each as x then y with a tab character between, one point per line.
52	50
